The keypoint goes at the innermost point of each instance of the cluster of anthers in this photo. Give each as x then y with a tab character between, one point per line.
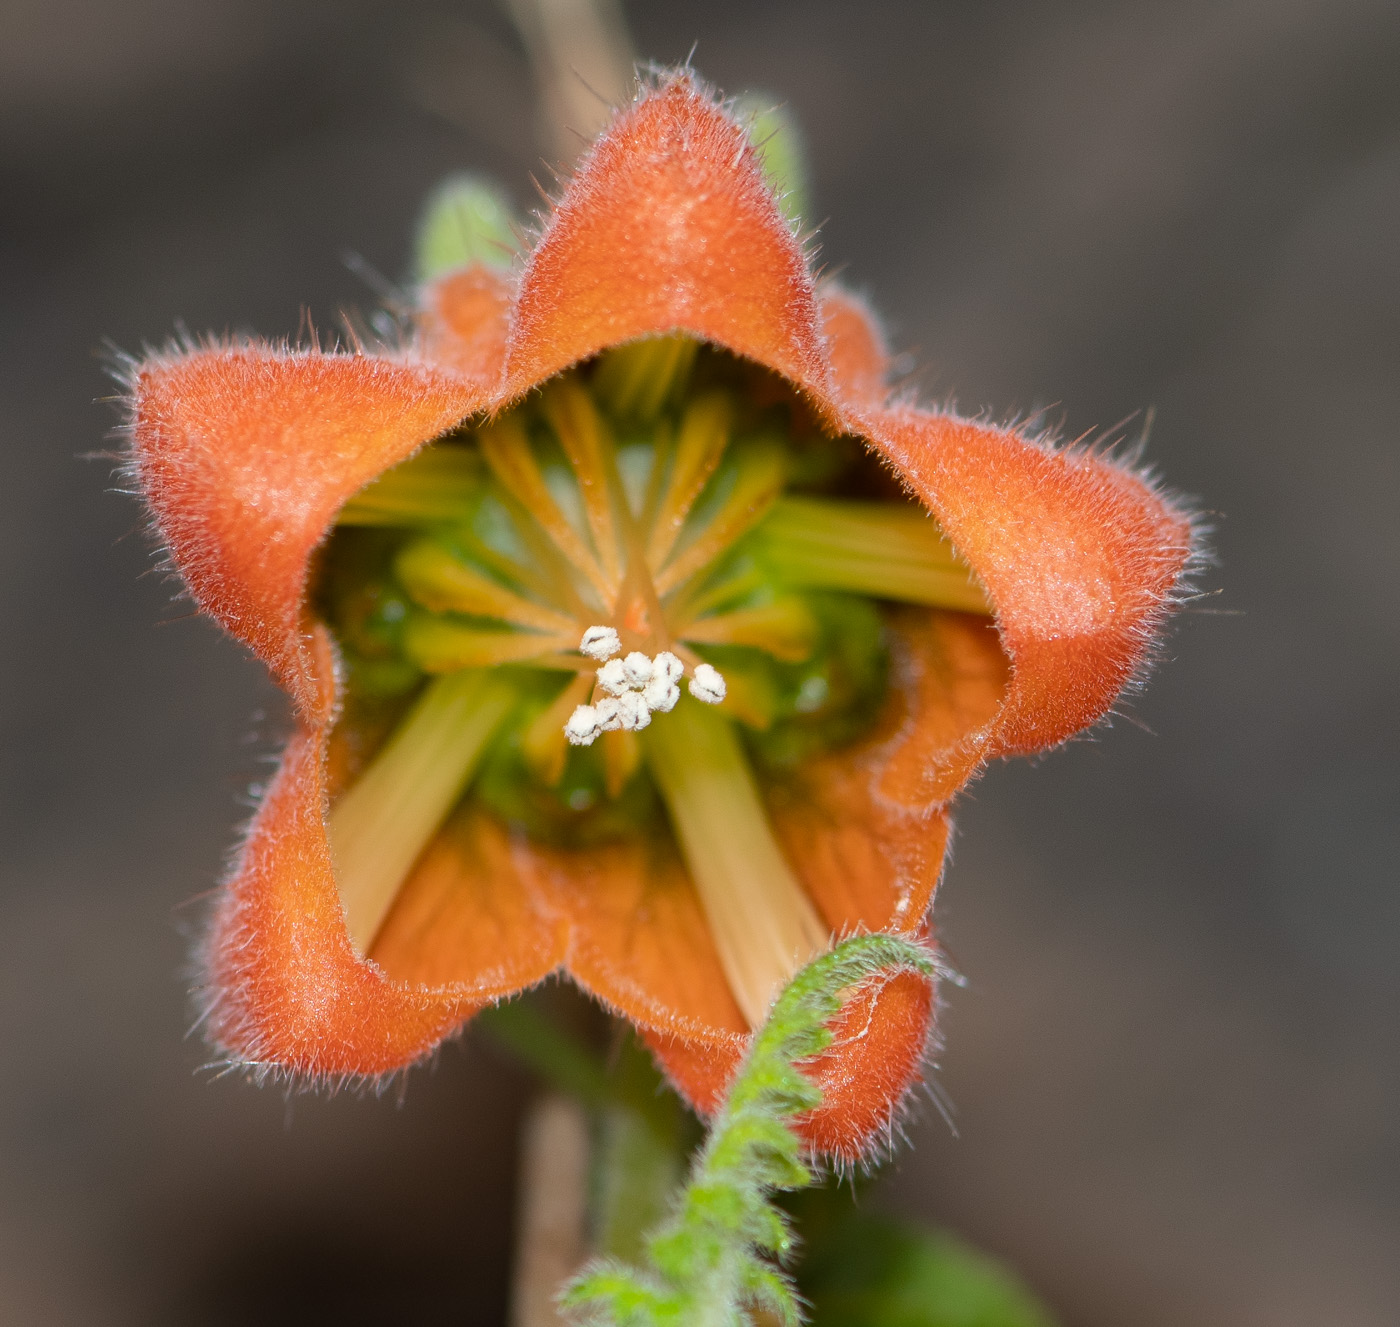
635	688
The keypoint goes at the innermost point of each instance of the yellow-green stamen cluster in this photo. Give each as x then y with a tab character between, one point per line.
532	591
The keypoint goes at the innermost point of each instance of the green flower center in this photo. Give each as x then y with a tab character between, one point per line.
519	589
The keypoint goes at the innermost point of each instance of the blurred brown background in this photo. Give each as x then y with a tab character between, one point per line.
1174	1069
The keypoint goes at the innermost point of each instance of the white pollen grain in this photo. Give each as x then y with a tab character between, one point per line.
638	668
708	684
661	694
609	715
600	643
583	726
668	666
612	677
632	712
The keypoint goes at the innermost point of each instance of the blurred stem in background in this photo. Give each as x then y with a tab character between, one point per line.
603	1151
582	60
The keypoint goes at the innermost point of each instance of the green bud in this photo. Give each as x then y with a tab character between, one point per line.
467	219
776	137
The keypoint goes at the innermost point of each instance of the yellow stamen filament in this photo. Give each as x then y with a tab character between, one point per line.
622	753
539	577
544	745
704	434
507	452
564	663
874	548
764	925
556	578
785	629
588	445
379	828
663	449
762	469
443	583
438	645
750	697
699	599
437	484
638	592
637	379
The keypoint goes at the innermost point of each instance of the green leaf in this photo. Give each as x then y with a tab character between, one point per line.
872	1271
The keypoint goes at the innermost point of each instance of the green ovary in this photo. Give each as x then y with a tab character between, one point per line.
684	499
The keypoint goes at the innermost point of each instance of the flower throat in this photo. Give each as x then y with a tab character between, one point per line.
519	605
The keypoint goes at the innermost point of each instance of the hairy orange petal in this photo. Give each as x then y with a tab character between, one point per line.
1080	558
867	863
879	1040
471	913
638	937
954	669
283	986
699	1068
855	347
246	453
486	908
668	226
466	317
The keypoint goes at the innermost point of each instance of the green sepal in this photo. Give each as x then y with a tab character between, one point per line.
467	219
774	132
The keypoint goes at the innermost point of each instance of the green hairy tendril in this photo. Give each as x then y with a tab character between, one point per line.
720	1254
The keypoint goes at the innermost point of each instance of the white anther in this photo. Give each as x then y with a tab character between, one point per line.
661	694
668	666
638	669
609	715
708	684
583	726
600	643
632	711
612	677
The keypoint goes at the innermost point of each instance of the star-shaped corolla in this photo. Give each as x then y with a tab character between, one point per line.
657	443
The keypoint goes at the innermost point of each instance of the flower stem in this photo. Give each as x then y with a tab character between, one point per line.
643	1137
551	1210
764	925
380	826
542	1046
874	548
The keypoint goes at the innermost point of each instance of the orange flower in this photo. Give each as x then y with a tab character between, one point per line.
250	455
